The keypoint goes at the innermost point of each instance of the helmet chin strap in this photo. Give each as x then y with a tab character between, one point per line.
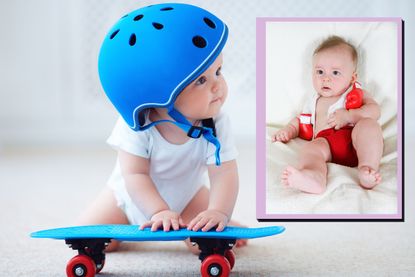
195	131
191	131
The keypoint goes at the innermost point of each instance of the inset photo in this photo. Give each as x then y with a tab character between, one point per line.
330	119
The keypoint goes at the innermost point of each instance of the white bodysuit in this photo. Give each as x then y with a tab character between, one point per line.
310	106
178	171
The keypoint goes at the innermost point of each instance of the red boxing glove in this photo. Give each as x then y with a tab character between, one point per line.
305	128
354	98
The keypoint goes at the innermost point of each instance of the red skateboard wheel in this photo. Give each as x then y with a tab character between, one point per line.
230	256
80	266
215	265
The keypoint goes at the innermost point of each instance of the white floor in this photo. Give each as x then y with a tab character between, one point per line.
45	188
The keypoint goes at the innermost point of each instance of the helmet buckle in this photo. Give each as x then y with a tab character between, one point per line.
195	132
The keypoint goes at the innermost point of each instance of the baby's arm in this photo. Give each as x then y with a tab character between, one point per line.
224	187
342	117
287	133
145	195
369	109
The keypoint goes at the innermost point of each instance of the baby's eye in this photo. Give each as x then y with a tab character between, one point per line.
319	72
201	80
219	71
336	73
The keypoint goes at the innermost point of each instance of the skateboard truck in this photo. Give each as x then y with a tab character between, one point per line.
90	258
216	256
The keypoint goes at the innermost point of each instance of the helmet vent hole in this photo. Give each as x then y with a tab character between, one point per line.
158	26
125	16
199	42
166	9
133	39
138	17
209	22
114	34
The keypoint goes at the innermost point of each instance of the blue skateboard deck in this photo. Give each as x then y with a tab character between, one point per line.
216	255
132	233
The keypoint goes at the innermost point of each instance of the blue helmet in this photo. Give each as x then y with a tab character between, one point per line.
151	54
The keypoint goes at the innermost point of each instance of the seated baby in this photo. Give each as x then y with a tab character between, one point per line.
340	120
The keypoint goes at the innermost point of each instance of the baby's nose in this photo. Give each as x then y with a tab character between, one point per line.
326	78
216	87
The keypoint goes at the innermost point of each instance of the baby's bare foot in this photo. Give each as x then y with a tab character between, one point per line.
369	177
301	179
284	177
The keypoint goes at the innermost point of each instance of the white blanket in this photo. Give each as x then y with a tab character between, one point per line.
343	194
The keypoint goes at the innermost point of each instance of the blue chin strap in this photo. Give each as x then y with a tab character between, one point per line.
189	129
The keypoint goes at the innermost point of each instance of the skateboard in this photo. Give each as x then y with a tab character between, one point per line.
216	255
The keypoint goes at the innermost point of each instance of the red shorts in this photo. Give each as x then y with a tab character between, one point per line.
341	146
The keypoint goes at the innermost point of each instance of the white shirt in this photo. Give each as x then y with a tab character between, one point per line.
178	171
310	105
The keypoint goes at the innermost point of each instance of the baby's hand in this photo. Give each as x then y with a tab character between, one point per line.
209	219
338	119
166	219
283	135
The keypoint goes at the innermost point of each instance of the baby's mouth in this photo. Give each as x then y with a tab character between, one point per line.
216	100
326	88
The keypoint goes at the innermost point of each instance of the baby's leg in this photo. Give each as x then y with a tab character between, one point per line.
198	204
368	142
104	210
311	175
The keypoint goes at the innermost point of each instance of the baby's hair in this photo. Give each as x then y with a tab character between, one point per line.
335	41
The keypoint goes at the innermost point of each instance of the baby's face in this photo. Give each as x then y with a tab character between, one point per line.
333	71
204	97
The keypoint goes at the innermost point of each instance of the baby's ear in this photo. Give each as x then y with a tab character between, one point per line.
354	77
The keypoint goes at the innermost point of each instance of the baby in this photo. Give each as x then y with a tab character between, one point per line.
161	68
341	131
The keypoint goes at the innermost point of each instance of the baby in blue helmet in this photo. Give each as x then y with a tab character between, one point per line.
160	66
